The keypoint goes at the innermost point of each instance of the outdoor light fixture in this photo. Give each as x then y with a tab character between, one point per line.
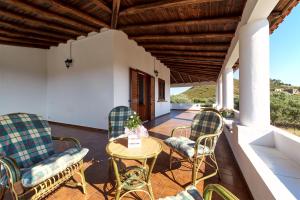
69	61
155	70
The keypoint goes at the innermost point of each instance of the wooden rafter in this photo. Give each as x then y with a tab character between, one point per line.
31	22
24	44
100	4
185	57
42	34
191	71
180	76
26	41
201	36
209	63
172	77
194	69
58	5
50	16
193	53
195	66
195	22
115	14
22	35
186	47
197	73
161	4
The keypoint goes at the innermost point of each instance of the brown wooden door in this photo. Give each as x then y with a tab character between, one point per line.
152	98
134	90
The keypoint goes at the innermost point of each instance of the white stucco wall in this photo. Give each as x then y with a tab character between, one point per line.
127	54
22	80
81	95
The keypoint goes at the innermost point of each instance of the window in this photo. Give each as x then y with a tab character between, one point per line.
141	88
161	90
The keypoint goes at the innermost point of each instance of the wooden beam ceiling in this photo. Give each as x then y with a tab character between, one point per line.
200	36
196	73
115	14
195	69
186	47
29	31
102	5
218	68
195	22
187	57
212	63
22	44
26	41
190	53
161	4
36	23
50	16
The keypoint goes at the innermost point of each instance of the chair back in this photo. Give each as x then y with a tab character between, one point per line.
25	138
117	118
207	121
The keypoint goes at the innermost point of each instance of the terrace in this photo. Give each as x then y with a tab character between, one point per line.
73	61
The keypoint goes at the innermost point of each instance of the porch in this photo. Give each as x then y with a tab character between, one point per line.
165	182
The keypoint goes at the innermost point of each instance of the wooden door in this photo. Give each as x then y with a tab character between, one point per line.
152	98
134	90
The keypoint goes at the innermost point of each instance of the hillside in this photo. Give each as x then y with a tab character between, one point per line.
206	91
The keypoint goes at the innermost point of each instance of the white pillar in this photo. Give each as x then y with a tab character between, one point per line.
220	101
228	88
254	64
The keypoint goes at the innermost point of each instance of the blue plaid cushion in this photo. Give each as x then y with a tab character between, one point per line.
191	193
186	146
117	118
52	166
25	138
206	122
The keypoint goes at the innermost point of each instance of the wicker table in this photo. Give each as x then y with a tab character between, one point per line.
134	178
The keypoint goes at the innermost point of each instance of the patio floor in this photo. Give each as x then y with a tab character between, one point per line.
164	181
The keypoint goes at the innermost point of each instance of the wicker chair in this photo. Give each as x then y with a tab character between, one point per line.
199	147
29	166
191	193
116	121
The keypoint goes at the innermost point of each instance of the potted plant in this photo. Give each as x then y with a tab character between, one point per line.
135	130
227	113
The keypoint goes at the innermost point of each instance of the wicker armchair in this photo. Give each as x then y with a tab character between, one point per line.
29	166
191	193
199	147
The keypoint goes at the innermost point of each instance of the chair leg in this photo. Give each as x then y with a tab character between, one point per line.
171	152
83	182
149	186
118	194
2	192
194	172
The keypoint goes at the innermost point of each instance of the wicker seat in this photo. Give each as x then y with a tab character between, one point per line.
199	147
191	193
30	166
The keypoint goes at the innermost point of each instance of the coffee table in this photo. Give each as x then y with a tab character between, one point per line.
134	178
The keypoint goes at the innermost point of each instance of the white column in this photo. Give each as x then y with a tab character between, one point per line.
220	101
254	74
217	93
228	88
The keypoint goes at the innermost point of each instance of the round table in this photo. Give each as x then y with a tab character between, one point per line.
134	178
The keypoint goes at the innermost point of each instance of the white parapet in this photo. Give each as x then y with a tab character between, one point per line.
254	74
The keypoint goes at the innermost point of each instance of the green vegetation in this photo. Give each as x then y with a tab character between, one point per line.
285	107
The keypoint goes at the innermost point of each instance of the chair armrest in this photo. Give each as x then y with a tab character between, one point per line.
207	141
11	168
179	128
68	139
220	190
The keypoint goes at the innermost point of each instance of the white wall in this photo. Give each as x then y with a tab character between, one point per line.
22	80
83	94
127	54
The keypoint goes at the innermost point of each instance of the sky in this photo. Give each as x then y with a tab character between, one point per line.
284	52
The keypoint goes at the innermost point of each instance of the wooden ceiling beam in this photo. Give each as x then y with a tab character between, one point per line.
23	44
194	69
196	73
200	36
31	22
22	35
172	77
185	57
186	47
58	5
189	53
43	35
162	4
101	5
212	63
181	77
115	14
195	66
49	16
26	41
195	22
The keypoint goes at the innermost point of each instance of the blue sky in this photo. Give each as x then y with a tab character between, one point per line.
284	51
